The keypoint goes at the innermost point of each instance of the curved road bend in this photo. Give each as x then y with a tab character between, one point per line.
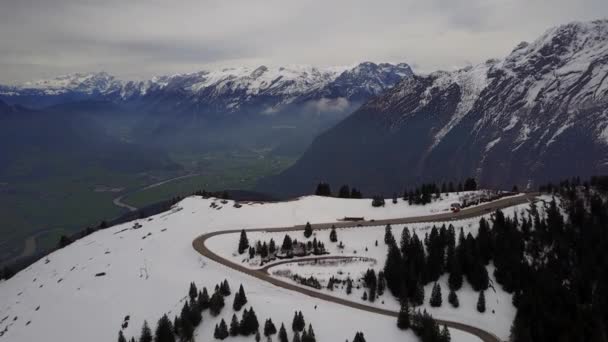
262	274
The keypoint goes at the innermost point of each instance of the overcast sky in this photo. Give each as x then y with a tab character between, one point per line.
135	39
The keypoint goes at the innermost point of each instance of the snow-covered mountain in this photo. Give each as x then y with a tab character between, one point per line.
225	90
539	114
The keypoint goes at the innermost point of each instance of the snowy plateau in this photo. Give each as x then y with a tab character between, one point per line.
147	265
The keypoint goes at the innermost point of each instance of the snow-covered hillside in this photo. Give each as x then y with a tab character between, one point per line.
361	243
148	269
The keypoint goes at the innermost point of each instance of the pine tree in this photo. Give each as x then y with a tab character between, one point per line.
481	302
381	283
436	299
269	328
455	278
186	326
359	337
164	331
364	296
296	337
418	297
272	247
445	334
216	303
388	235
298	323
257	336
283	334
287	244
223	330
121	337
405	240
203	300
243	242
344	192
393	270
146	333
176	325
403	319
333	236
309	336
225	288
453	299
193	292
240	299
349	286
234	326
216	332
307	230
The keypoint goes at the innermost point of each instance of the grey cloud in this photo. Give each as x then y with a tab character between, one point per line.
140	38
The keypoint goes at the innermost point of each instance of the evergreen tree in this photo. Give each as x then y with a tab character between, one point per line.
344	192
323	189
287	244
359	337
453	299
307	230
378	201
243	242
405	240
164	331
481	302
216	332
186	324
389	239
349	286
309	336
403	319
176	326
192	292
354	193
240	299
436	299
283	334
333	236
269	328
272	247
234	326
445	334
146	333
298	323
203	300
216	303
364	297
455	278
418	297
225	288
393	270
223	330
381	283
249	322
296	337
257	336
121	337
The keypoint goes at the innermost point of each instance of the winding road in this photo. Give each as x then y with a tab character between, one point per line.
262	273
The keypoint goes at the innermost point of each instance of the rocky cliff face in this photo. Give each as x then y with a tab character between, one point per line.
539	114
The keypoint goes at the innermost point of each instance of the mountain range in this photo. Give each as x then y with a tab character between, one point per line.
225	90
539	114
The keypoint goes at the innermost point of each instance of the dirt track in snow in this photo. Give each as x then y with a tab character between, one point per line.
262	274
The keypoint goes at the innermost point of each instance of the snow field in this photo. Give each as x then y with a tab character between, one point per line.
147	272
